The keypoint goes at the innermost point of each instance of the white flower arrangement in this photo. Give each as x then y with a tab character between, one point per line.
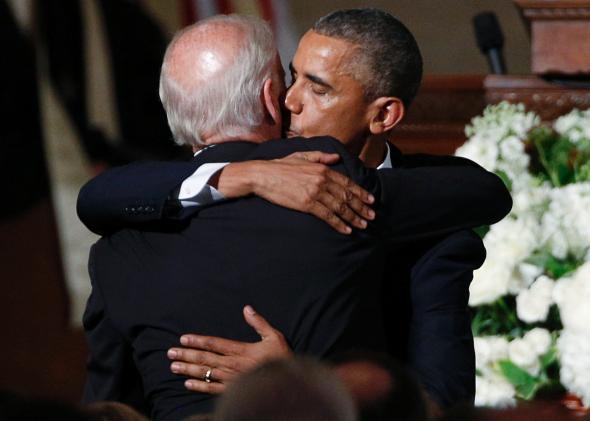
531	298
574	125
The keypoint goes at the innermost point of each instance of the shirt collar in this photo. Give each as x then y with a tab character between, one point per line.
202	149
387	161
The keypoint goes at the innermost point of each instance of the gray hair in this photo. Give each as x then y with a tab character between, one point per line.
228	105
387	60
287	390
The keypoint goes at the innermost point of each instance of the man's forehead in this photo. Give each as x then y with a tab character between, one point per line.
325	56
313	43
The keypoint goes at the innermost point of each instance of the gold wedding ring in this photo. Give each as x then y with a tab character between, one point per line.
208	376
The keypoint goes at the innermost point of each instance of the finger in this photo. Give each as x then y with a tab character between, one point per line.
317	156
322	157
259	323
199	372
205	358
350	185
325	214
348	201
212	344
212	388
332	199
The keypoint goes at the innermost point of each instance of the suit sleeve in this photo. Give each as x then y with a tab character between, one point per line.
111	372
428	201
440	321
137	195
132	196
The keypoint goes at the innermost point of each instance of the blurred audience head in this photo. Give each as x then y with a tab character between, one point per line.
13	408
213	75
388	61
113	411
382	389
287	390
200	417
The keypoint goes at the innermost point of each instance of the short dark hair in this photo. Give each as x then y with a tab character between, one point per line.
386	48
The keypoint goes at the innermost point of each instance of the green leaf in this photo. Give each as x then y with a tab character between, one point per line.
549	358
539	259
497	318
558	267
553	156
525	385
505	179
583	171
482	230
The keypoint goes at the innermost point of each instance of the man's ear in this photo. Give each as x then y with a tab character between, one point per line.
271	102
386	113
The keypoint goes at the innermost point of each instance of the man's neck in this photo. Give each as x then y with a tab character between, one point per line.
373	152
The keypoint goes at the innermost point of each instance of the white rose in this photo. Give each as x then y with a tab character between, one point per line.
481	150
532	305
523	276
512	240
490	282
575	125
559	245
482	352
489	349
573	298
515	159
539	339
498	347
574	350
494	391
562	229
560	291
521	201
565	123
523	355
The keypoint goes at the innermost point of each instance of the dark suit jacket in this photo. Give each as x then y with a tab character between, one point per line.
199	278
456	192
427	307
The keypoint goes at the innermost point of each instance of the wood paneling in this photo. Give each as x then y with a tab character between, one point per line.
436	121
548	99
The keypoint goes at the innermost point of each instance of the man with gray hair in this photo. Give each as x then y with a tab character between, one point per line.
300	389
206	106
321	289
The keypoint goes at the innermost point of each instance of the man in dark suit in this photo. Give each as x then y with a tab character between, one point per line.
324	259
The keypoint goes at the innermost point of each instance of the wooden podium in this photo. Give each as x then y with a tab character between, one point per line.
560	81
436	120
560	35
548	99
560	60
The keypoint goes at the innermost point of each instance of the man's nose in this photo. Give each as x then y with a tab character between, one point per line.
292	101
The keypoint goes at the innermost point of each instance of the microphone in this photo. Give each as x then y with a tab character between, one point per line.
490	40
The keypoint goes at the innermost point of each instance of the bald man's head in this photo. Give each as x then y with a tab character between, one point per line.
202	52
213	76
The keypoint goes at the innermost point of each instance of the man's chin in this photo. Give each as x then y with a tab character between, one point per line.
292	133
